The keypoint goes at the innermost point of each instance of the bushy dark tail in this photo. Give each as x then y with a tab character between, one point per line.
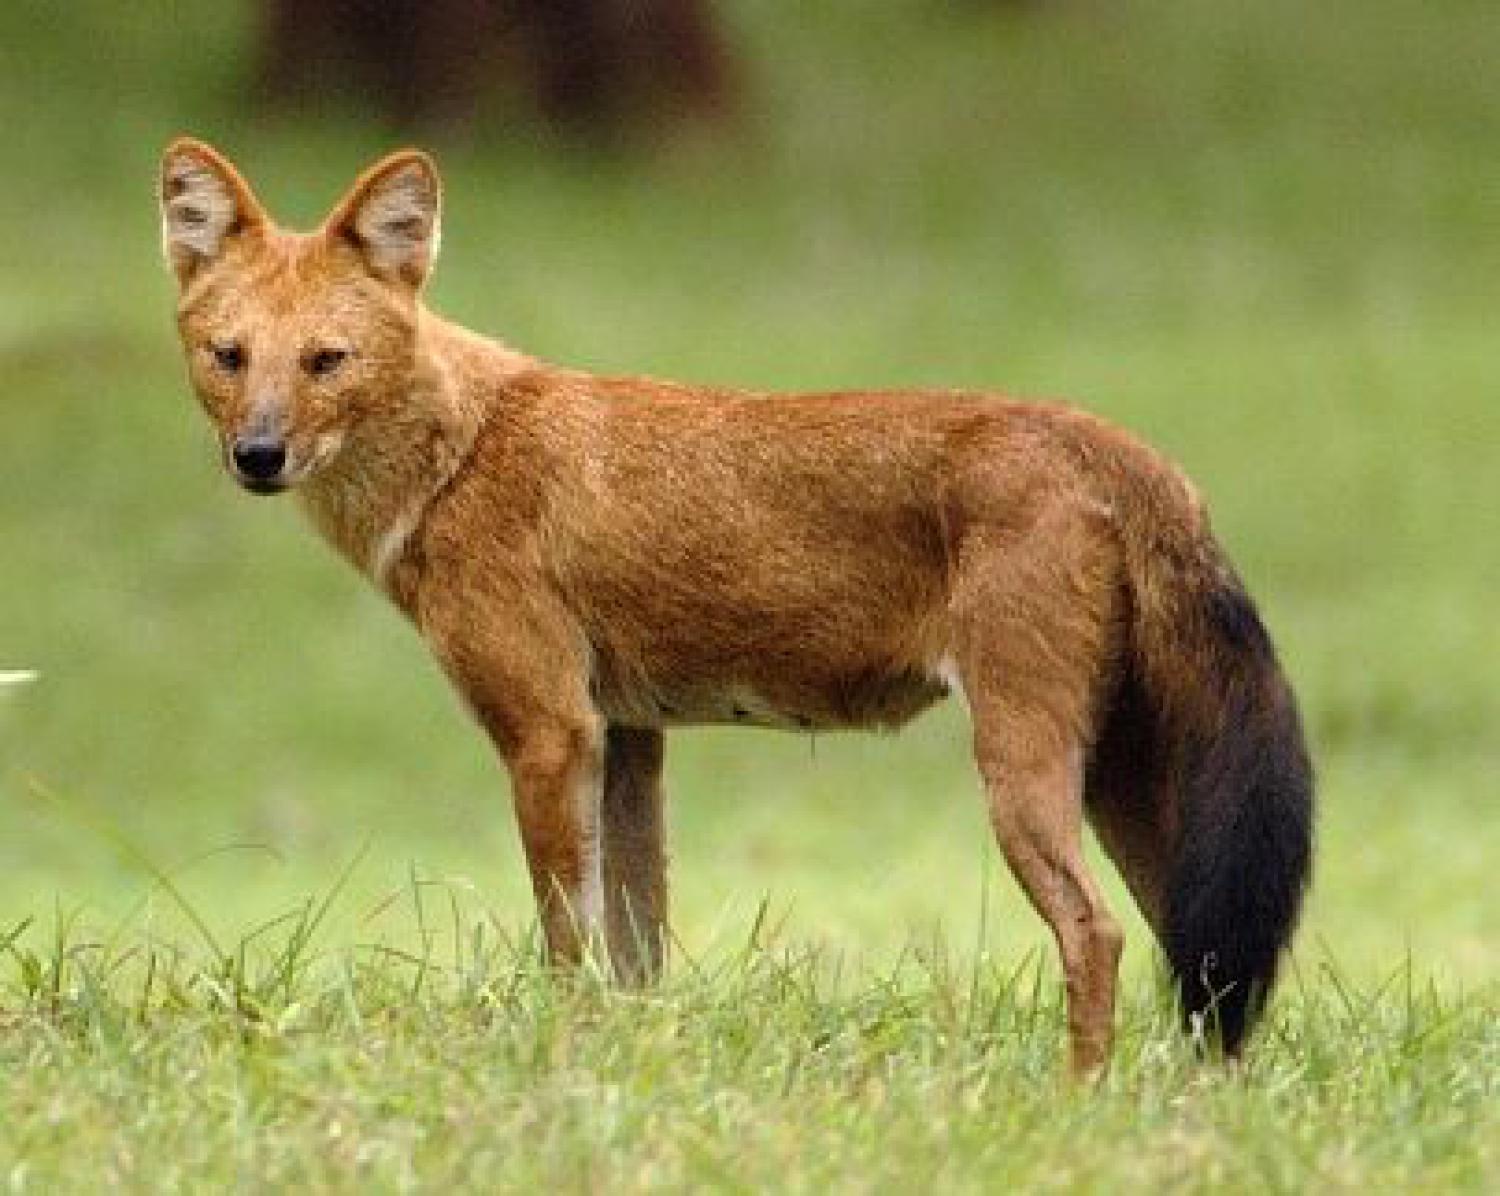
1231	774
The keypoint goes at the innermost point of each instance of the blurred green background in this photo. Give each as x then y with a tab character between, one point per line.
1262	235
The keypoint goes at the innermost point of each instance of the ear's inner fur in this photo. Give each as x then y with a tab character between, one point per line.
199	211
392	218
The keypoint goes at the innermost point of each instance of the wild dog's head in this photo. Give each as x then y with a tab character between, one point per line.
292	339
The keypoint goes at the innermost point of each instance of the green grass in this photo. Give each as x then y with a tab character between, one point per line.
1260	235
763	1068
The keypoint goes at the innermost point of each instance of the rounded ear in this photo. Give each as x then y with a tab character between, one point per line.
204	203
391	216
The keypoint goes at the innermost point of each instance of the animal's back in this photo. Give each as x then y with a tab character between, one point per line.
781	560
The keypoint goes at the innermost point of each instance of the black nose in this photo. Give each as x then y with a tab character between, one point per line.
259	458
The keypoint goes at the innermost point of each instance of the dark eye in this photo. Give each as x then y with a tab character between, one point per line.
228	356
325	361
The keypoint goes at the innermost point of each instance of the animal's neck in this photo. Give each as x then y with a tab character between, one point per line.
372	500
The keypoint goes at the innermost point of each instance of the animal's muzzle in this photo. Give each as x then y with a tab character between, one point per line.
260	463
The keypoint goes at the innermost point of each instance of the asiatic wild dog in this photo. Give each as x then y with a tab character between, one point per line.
593	560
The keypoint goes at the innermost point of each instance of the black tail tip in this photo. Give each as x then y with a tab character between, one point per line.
1218	1012
1244	852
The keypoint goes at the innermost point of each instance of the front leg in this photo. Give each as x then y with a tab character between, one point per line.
556	773
635	885
529	687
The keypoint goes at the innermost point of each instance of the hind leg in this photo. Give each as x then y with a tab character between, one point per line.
1128	806
1036	616
1132	836
1034	786
634	859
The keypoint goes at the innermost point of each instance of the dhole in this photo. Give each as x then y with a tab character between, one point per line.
594	560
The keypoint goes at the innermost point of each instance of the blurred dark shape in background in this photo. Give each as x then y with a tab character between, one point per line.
588	68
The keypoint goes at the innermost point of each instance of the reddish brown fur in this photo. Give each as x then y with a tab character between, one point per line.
592	560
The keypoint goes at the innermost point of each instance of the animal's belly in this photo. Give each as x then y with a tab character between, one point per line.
879	699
